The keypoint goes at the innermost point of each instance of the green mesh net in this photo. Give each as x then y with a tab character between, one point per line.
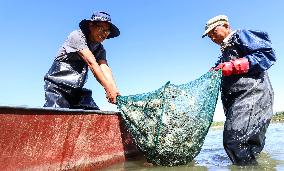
169	125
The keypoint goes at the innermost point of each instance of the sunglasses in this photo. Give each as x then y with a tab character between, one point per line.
102	30
214	30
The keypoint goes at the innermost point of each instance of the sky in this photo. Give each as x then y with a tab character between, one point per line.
160	41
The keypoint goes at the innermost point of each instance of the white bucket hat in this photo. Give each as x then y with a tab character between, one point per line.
215	21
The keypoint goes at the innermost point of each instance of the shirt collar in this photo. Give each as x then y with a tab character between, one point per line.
228	37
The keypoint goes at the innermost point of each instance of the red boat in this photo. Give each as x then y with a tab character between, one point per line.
61	139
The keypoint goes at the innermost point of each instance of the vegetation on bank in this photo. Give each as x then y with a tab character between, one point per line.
215	123
277	117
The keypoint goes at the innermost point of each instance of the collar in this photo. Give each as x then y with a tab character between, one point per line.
228	37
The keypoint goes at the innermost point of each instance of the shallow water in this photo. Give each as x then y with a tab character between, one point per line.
213	157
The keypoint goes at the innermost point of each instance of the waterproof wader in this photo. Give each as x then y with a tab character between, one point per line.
248	109
64	97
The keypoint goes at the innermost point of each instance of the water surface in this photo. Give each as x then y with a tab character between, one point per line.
213	157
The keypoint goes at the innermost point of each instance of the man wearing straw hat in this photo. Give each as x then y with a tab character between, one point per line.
83	49
246	91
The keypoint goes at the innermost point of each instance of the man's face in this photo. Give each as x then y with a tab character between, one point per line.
218	34
99	31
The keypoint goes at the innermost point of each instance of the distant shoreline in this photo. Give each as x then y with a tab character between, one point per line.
278	117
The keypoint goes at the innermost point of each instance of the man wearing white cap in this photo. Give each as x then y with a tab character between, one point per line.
246	91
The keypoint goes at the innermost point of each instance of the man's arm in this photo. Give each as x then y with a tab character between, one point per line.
108	73
258	49
258	54
89	58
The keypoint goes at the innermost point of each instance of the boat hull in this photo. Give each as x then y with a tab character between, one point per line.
48	139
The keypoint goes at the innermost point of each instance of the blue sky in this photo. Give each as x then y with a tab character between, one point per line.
160	41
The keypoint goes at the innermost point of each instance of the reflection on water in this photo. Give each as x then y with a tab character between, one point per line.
213	157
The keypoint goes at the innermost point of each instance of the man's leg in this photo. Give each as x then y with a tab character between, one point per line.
54	97
84	100
244	132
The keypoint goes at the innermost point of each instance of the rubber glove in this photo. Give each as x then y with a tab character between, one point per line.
237	66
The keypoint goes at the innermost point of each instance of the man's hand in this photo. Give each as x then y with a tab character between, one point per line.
227	68
111	94
238	66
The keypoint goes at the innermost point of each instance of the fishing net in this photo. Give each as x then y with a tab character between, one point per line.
169	125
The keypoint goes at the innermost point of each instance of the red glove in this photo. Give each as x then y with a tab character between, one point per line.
241	66
238	66
227	68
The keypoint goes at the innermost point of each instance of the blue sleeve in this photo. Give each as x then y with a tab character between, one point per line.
256	46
